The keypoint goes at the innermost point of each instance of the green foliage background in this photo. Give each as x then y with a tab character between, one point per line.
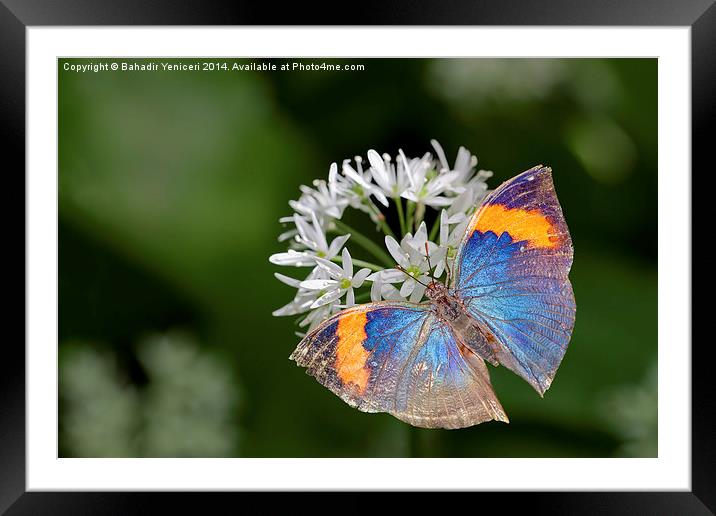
170	189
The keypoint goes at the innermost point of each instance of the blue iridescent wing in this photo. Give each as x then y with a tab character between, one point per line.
398	358
512	275
446	384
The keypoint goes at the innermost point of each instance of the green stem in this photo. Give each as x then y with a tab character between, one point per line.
401	216
359	263
366	243
419	214
434	229
411	212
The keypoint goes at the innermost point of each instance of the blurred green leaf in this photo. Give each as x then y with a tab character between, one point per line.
187	407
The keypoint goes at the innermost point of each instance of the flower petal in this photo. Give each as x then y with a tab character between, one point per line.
396	251
380	196
318	284
350	298
392	276
437	202
439	269
441	154
319	235
291	282
331	268
417	293
407	169
390	292
360	277
336	245
303	227
298	259
287	235
349	172
407	287
347	263
462	162
289	309
326	298
375	290
376	161
444	227
421	236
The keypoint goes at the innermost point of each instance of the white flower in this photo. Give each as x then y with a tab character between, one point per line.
292	257
304	297
304	300
478	186
312	237
431	251
427	185
323	201
341	281
450	240
465	178
411	256
382	287
357	187
461	208
393	182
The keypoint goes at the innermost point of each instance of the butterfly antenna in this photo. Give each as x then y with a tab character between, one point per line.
400	268
427	255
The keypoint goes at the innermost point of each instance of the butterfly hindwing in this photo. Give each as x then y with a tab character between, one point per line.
398	358
511	273
447	386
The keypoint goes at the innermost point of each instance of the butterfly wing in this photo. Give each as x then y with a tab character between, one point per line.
398	358
445	384
511	273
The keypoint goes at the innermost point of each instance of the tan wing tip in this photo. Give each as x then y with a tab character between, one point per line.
501	416
542	389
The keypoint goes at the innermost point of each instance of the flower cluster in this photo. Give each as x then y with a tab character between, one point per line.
401	190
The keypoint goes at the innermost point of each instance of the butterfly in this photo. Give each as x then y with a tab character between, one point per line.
508	303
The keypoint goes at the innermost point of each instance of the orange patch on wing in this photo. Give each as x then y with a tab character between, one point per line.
521	224
350	354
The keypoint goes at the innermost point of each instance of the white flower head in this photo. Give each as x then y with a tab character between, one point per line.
394	192
312	238
357	188
427	185
450	239
413	257
393	181
323	201
340	281
303	299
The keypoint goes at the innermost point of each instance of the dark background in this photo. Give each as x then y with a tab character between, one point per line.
170	187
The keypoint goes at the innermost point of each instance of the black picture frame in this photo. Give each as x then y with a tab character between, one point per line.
17	15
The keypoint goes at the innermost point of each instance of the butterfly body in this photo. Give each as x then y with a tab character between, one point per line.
452	311
510	304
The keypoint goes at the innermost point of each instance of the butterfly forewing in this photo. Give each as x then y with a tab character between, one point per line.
511	273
